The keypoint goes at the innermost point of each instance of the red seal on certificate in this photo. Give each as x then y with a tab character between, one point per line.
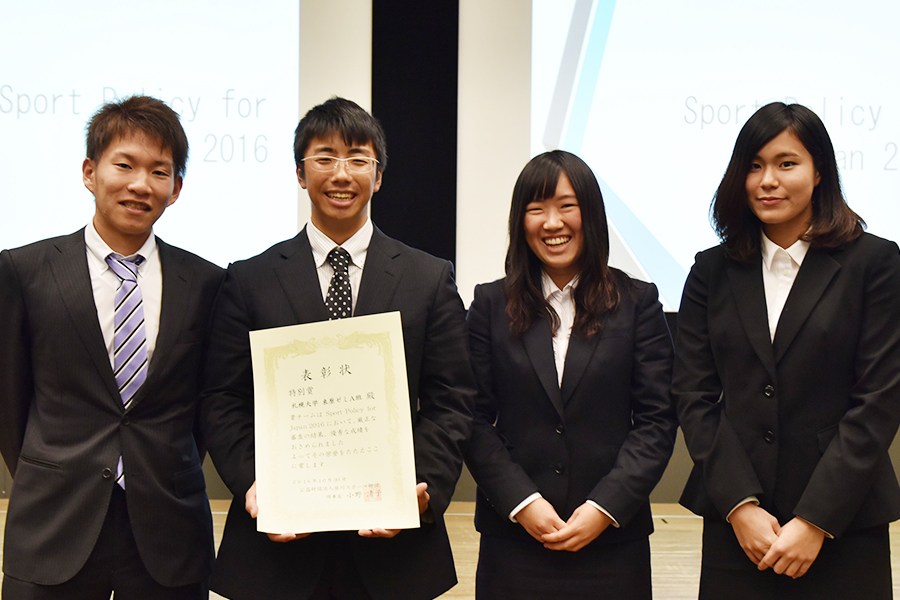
372	492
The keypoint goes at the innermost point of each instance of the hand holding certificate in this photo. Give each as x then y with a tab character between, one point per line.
333	435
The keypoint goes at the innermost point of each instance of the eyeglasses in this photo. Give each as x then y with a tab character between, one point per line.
354	164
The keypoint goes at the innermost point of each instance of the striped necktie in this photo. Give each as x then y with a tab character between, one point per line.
130	339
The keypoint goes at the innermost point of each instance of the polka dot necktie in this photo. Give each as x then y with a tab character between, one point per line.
338	301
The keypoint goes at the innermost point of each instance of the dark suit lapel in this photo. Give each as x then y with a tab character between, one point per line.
380	276
300	282
816	272
176	286
578	356
72	276
750	297
538	342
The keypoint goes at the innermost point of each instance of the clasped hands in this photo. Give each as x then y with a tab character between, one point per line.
541	521
788	550
253	508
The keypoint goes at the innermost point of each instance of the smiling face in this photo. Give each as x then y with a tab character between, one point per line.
133	182
553	232
339	197
780	186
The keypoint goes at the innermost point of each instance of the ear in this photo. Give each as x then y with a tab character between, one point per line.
818	179
377	185
300	178
176	190
87	174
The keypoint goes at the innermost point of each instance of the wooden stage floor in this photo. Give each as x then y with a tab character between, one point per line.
675	549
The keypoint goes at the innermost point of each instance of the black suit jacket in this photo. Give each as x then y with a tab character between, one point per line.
803	423
605	435
63	425
281	287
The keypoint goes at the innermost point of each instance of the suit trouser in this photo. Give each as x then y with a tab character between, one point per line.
113	566
340	579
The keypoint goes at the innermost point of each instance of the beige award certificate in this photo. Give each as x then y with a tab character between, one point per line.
334	447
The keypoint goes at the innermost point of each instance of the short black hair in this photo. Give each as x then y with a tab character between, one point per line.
345	117
138	113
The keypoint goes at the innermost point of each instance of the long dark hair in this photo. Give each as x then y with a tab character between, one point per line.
833	222
596	293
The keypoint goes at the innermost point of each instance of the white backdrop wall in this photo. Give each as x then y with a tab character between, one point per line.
335	60
494	120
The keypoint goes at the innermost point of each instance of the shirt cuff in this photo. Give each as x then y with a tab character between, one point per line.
523	504
828	535
604	511
752	499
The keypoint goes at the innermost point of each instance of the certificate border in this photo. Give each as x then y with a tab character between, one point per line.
355	340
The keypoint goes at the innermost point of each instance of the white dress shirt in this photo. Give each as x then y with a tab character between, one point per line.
780	268
357	246
563	302
105	283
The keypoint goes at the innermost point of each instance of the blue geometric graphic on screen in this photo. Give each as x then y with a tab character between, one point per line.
660	265
590	73
565	76
651	255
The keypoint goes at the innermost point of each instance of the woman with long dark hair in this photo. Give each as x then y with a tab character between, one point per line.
574	424
787	376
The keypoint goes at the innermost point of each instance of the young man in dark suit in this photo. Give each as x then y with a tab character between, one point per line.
98	430
340	155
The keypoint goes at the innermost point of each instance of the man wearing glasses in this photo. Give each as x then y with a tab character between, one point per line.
339	150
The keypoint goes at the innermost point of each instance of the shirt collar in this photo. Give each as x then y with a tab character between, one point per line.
357	245
797	251
549	288
99	250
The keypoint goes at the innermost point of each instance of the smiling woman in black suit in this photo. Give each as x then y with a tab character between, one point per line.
574	425
787	376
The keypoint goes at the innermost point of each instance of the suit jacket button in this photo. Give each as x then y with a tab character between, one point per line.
126	421
769	391
560	429
560	469
107	473
770	437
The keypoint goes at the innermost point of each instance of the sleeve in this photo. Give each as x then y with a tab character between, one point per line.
845	473
504	481
727	472
227	402
604	511
646	450
443	421
213	283
16	379
522	505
